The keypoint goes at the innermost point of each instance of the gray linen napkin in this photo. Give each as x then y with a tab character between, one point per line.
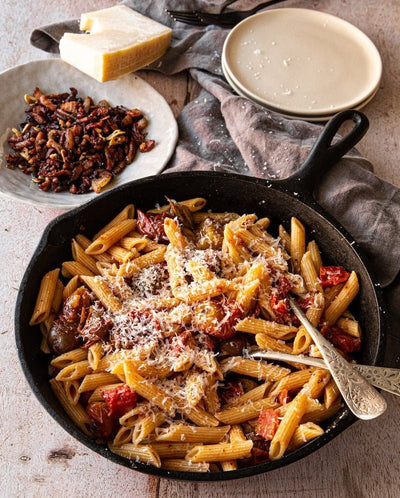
222	131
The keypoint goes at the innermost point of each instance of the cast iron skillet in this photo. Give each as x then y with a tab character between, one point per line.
224	192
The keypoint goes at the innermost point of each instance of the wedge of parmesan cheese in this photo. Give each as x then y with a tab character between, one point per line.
120	41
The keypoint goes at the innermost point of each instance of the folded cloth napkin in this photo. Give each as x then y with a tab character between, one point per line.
222	131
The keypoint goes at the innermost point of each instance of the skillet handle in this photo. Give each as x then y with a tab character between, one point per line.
324	154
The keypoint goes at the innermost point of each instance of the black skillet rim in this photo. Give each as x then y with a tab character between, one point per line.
346	419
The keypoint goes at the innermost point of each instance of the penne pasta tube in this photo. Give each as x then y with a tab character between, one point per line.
79	255
72	391
129	243
331	393
71	286
143	453
122	255
130	268
259	326
288	425
343	299
263	223
351	327
284	238
220	452
292	382
75	412
317	382
193	434
103	293
297	243
73	356
95	353
253	368
321	412
236	434
253	395
270	344
45	297
74	371
195	204
95	380
127	213
309	273
330	294
185	466
302	340
304	433
146	425
172	450
147	389
174	234
312	247
110	237
197	415
242	413
123	436
72	268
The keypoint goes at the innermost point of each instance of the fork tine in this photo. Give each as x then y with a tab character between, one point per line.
218	20
185	16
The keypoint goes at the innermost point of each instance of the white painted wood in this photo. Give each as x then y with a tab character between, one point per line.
39	459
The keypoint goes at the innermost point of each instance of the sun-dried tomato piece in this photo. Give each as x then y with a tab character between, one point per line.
332	275
119	400
267	423
340	339
152	225
231	390
259	455
102	421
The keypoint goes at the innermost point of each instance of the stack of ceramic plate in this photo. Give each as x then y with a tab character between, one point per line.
302	63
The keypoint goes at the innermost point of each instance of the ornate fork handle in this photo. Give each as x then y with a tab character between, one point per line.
363	400
387	379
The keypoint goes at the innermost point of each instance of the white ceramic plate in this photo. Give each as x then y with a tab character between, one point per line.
302	62
54	75
318	118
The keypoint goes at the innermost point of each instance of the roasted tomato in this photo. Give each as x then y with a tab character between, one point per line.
103	422
267	423
119	400
278	301
258	455
73	305
217	317
231	390
332	275
345	342
96	328
152	225
305	303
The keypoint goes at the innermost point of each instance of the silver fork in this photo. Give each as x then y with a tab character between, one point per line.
363	400
387	379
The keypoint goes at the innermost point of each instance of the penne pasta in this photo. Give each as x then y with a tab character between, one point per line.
45	297
164	321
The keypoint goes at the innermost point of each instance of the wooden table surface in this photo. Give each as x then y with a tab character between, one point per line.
37	457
